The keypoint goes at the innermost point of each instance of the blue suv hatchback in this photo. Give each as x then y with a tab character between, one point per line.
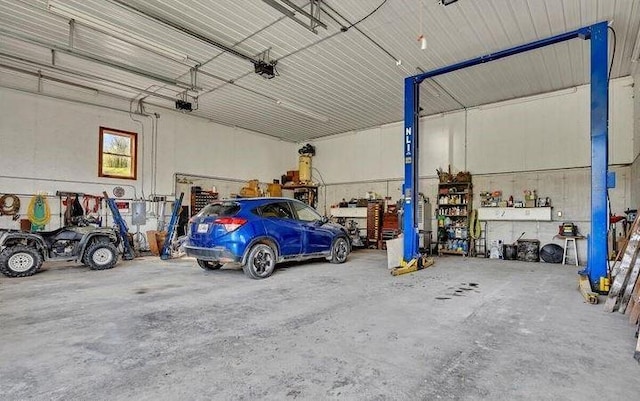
260	232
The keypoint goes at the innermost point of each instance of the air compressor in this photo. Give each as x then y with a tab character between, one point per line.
304	163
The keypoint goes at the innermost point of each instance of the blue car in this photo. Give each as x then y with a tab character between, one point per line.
260	232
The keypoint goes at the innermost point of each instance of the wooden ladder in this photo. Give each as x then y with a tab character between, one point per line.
624	295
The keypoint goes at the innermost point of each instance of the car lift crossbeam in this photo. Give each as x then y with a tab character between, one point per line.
597	34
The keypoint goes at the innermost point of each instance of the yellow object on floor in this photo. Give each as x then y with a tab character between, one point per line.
585	289
413	265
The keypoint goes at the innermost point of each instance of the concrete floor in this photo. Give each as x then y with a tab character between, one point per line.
154	330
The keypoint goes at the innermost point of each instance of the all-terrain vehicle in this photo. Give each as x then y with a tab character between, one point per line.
22	253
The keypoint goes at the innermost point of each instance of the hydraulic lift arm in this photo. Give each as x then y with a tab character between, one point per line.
597	34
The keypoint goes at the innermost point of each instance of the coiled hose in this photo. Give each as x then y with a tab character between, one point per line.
475	228
13	208
38	212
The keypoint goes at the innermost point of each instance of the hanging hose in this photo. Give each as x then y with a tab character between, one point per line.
475	228
38	212
13	208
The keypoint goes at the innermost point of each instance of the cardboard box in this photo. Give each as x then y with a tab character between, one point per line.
294	175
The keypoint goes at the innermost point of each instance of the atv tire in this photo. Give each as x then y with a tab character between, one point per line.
101	255
20	261
85	260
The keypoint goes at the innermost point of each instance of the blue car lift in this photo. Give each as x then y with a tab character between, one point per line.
165	253
597	34
123	229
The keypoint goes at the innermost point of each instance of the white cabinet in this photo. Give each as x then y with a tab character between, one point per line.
515	213
349	212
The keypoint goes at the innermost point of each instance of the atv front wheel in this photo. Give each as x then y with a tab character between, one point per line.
101	255
20	261
85	258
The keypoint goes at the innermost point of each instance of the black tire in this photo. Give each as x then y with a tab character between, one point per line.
207	265
261	262
100	255
339	250
84	260
20	261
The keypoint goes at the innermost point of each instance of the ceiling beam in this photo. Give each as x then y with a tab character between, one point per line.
314	20
100	60
185	30
83	75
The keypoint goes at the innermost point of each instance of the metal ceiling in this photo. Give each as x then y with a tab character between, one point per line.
337	80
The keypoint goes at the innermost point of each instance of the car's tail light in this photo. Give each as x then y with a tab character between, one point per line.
230	223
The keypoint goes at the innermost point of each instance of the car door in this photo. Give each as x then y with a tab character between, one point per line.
280	223
316	238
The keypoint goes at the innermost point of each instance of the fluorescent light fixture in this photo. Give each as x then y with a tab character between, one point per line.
635	55
113	30
303	111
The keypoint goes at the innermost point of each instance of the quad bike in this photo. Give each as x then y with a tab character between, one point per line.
22	253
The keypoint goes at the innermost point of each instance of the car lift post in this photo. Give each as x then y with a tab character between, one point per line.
123	229
165	253
597	33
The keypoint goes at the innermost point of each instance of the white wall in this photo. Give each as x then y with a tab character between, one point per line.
541	142
635	167
50	145
540	132
376	153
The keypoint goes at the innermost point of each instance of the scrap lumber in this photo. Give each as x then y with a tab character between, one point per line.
623	249
631	283
636	355
626	266
634	305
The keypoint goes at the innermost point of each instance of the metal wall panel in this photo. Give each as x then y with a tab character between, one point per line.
341	75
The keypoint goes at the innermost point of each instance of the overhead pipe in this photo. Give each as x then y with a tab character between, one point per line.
41	76
65	70
67	99
11	177
141	144
92	57
184	30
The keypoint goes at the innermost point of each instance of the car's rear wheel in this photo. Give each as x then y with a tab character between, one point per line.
339	250
208	265
261	262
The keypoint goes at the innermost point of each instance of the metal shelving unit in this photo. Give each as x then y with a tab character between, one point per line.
304	193
479	248
454	209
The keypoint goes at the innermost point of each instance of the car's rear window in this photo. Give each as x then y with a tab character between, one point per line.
220	209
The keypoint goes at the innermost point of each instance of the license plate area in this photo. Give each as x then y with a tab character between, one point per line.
203	228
